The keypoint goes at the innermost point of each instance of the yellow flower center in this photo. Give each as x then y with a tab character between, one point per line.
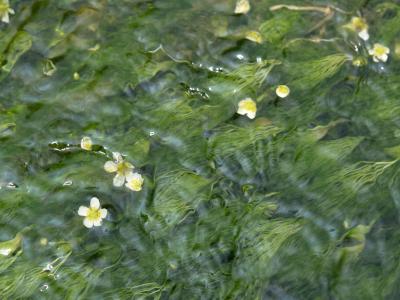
282	90
380	50
135	184
93	214
359	24
249	105
123	168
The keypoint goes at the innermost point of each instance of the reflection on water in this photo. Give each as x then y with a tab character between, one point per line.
187	149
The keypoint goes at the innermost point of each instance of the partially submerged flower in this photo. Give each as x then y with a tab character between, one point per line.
134	182
379	53
119	166
94	214
282	91
5	10
242	7
86	143
359	25
247	107
254	36
359	61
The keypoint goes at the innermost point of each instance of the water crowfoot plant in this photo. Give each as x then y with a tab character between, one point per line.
134	181
247	107
360	26
5	11
86	143
379	53
94	214
210	186
282	91
119	166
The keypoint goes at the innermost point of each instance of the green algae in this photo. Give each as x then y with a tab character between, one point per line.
301	202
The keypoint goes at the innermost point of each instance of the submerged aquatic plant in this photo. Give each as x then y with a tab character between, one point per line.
239	195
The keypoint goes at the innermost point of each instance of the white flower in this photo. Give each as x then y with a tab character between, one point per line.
119	166
134	181
282	91
242	7
364	35
86	143
379	53
5	251
247	107
359	25
5	10
93	214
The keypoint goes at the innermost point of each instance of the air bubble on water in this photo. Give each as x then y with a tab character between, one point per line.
67	183
11	185
48	268
44	288
240	56
151	133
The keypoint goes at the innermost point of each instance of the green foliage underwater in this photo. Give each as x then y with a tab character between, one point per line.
200	149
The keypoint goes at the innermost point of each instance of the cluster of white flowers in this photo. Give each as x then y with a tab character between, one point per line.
94	214
124	173
379	52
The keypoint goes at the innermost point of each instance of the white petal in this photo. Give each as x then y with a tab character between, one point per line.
375	59
11	11
5	251
364	35
103	213
119	180
134	176
371	51
134	182
110	167
88	223
86	143
94	203
5	18
117	157
242	111
242	7
384	57
83	211
251	115
97	222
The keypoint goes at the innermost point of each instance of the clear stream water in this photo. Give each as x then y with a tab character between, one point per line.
300	202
